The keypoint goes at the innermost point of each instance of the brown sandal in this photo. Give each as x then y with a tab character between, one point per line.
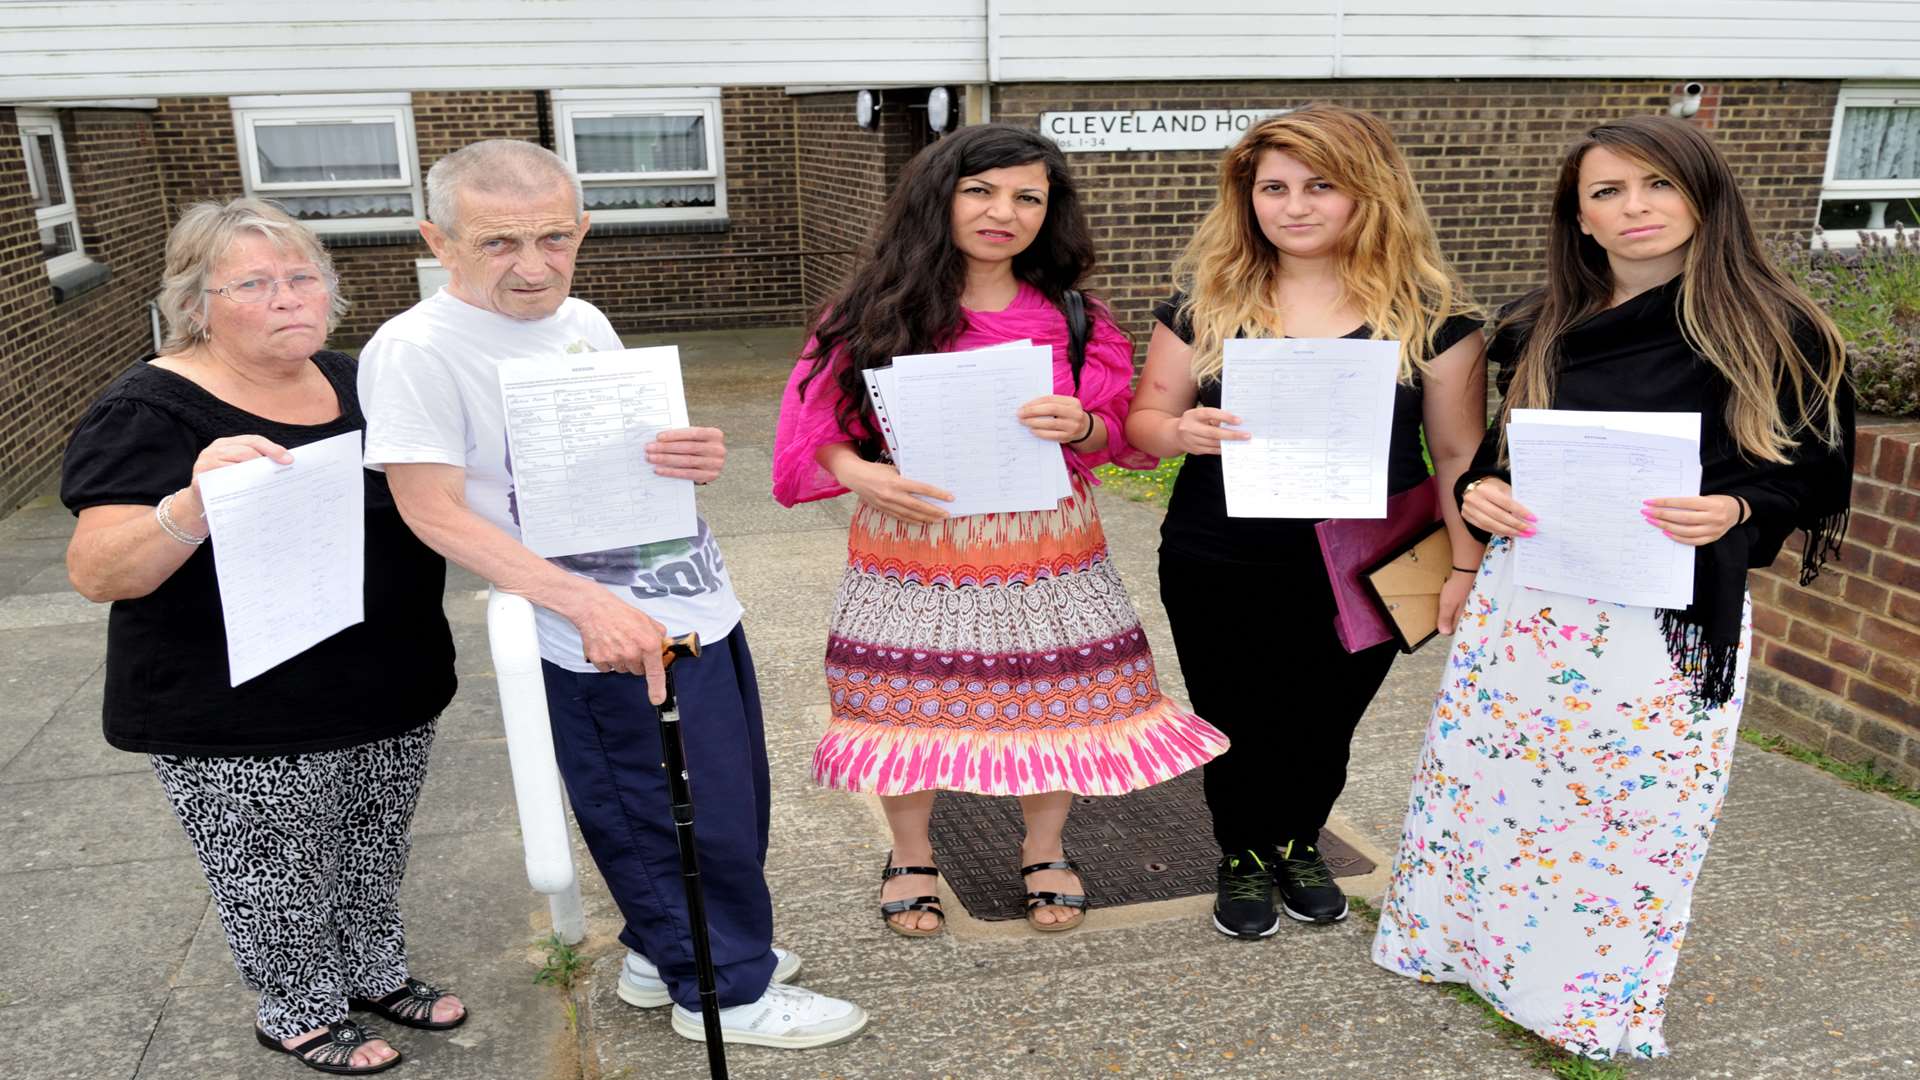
918	903
1077	902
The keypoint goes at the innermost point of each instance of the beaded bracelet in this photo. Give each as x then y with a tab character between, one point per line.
168	526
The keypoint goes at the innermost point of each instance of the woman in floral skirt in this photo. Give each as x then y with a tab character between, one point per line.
1579	749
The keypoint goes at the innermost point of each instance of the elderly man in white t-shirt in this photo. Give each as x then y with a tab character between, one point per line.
506	220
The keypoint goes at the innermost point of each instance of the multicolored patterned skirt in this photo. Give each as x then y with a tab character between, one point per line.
996	654
1561	809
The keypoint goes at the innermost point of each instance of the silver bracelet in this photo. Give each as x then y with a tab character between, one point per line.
168	526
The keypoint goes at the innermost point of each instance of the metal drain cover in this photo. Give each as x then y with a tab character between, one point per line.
1151	845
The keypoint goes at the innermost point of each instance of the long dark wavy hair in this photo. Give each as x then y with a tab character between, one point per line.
905	297
1737	309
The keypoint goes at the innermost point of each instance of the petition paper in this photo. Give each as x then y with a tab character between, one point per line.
956	426
1584	475
577	429
1320	411
289	550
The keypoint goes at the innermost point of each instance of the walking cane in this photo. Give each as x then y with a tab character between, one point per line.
681	792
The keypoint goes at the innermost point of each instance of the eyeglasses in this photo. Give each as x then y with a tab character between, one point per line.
304	284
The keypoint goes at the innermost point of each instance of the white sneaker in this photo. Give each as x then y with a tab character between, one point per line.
790	1017
642	987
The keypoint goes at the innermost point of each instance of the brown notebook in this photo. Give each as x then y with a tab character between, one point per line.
1408	584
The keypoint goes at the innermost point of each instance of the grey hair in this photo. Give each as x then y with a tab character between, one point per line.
203	237
509	166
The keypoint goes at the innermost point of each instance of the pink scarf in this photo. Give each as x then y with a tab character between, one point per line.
1106	381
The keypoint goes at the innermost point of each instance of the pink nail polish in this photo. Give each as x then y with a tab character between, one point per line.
1530	517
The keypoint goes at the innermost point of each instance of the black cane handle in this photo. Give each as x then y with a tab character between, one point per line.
687	645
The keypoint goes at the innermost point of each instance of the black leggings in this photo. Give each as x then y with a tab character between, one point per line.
1264	665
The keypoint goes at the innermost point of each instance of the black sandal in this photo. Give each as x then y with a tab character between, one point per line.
412	1006
332	1051
1037	900
918	903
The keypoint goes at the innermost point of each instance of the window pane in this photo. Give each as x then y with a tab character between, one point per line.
318	153
46	164
654	197
56	240
640	144
1878	143
337	207
1869	213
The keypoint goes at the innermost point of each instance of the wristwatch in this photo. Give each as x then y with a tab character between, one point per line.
1471	484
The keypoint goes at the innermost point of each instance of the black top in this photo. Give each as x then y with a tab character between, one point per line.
1197	523
167	677
1635	357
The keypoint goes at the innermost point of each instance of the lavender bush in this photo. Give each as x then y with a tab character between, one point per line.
1873	293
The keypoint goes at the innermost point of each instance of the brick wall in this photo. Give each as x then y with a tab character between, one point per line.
57	357
196	142
804	188
1484	153
1838	662
749	275
845	173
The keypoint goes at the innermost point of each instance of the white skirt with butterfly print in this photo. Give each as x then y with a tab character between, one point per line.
1561	809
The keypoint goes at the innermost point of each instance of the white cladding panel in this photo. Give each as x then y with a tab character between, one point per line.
1051	40
148	48
65	49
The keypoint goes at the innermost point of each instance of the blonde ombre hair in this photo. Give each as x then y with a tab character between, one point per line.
1390	263
202	238
1737	309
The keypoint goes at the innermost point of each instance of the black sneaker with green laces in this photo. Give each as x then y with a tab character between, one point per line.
1307	890
1243	903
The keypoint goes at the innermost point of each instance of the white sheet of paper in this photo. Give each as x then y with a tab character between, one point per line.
1584	475
1320	411
578	426
954	418
1677	425
289	550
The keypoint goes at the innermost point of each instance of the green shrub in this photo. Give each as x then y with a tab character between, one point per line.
1873	293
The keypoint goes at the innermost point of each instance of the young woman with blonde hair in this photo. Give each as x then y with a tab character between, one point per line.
1318	232
1578	752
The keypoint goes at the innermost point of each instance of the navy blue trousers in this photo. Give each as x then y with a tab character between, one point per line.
606	736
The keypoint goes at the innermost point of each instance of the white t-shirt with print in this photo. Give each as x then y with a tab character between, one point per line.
430	389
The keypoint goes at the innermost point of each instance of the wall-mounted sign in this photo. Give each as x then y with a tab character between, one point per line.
1185	129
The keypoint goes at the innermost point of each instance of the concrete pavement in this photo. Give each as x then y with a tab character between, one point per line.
1803	960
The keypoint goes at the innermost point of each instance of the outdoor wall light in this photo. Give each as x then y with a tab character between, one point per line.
939	109
866	108
1687	101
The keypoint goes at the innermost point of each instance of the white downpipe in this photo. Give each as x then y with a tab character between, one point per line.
536	778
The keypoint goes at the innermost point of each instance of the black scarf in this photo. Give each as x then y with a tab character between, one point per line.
1634	357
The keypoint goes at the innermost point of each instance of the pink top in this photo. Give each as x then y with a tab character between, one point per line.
809	423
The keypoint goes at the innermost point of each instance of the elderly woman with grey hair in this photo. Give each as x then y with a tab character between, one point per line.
297	787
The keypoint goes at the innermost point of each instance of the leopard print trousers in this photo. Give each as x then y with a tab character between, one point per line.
304	854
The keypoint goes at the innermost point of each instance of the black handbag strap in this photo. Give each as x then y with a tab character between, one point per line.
1079	331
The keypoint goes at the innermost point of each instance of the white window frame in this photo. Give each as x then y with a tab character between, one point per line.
285	110
32	122
569	105
1854	95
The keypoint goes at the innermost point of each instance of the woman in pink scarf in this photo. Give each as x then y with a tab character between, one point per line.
993	653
